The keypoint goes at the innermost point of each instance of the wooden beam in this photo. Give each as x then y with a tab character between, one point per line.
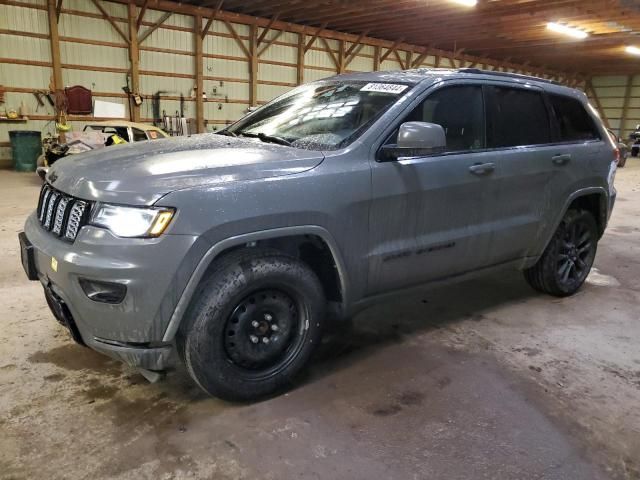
418	61
594	96
409	58
391	50
141	14
110	20
134	58
253	65
399	58
300	60
190	9
353	50
328	49
376	58
54	41
270	42
356	44
154	27
58	8
266	29
237	38
341	57
314	36
625	105
353	55
212	17
198	38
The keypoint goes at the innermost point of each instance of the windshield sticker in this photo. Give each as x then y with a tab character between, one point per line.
392	88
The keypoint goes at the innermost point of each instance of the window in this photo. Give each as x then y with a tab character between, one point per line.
574	122
459	110
138	135
516	117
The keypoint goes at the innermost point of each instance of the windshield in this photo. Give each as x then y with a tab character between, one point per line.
320	116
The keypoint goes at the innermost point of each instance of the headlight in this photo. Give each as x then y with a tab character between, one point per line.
132	221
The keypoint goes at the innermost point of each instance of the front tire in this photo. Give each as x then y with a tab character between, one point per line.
567	260
254	324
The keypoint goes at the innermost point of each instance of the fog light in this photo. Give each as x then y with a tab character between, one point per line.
103	292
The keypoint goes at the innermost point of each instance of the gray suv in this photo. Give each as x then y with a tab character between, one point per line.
232	249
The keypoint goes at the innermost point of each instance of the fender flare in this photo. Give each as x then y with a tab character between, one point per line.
575	195
218	248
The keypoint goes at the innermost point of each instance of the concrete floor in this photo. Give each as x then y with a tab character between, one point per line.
484	379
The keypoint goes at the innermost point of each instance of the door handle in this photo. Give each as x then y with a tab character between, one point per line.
482	168
561	159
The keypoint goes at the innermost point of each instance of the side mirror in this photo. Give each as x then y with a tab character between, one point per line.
416	139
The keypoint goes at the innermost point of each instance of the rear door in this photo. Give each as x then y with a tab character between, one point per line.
520	141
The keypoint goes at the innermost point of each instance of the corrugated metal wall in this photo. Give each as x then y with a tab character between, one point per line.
611	93
94	55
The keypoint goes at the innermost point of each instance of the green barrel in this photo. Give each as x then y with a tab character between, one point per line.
26	147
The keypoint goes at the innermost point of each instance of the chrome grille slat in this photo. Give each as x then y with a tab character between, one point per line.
45	200
50	206
60	213
75	220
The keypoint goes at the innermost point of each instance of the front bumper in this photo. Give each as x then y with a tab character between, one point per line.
131	331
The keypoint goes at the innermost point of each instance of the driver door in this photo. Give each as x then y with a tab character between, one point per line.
431	217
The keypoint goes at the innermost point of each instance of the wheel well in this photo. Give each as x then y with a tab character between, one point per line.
310	249
595	203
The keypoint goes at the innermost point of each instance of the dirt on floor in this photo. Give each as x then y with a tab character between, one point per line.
481	379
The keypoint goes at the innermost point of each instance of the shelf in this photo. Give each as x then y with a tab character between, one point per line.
13	120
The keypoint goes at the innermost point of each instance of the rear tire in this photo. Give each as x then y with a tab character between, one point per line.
253	325
567	260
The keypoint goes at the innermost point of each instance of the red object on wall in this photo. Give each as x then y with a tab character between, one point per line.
78	100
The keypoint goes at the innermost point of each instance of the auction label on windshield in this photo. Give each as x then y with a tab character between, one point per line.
392	88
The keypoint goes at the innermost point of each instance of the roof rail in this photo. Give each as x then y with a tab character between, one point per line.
507	74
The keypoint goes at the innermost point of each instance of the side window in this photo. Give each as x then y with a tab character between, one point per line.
138	135
574	122
516	117
460	111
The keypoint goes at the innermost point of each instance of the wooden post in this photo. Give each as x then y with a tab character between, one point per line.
341	51
134	57
58	85
376	58
253	65
197	36
302	38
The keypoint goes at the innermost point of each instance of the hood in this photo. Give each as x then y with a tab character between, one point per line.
142	173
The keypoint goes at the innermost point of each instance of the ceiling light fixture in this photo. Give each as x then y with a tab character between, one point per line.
632	50
466	3
565	30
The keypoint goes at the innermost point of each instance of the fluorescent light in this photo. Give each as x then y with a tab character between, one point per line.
466	3
632	50
565	30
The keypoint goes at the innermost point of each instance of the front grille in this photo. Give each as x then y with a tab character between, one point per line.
62	214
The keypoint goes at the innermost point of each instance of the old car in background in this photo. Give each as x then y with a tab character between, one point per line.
95	135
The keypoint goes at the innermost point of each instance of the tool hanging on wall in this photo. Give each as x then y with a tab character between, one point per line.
134	98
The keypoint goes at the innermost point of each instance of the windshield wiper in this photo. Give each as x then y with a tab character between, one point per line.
267	138
227	133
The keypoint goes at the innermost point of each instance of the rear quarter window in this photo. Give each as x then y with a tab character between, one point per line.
574	123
